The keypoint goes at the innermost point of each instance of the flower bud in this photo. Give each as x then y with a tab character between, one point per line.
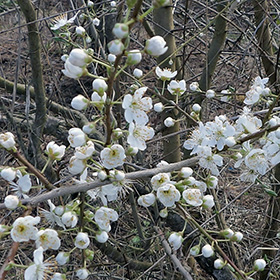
137	73
207	251
158	107
116	47
134	57
208	201
100	86
79	102
96	21
175	240
8	174
194	251
11	202
156	46
196	107
89	128
79	57
238	236
168	122
227	233
62	258
121	30
186	172
194	86
111	58
219	264
102	175
102	237
146	200
259	265
210	93
80	31
163	213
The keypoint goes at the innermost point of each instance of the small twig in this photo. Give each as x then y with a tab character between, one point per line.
178	265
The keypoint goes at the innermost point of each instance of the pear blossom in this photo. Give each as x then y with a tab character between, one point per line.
48	239
100	86
7	141
69	219
146	200
61	21
137	73
247	123
24	229
79	57
259	265
53	216
72	71
40	270
101	236
82	240
194	86
54	151
136	106
158	107
112	157
209	160
76	165
168	195
82	273
156	46
199	137
79	102
256	160
85	152
193	196
116	47
138	134
121	30
169	122
8	174
165	74
207	251
256	91
22	186
272	147
159	179
177	88
103	216
134	57
11	202
76	137
175	240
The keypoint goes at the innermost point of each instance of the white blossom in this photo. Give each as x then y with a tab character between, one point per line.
11	202
112	157
69	219
168	195
136	106
121	30
79	57
72	71
8	174
85	152
177	88
24	229
82	240
48	239
116	47
159	179
82	273
193	196
156	46
207	251
61	21
76	137
101	236
208	201
146	200
79	102
103	216
7	141
54	151
138	134
175	240
76	165
80	31
165	74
